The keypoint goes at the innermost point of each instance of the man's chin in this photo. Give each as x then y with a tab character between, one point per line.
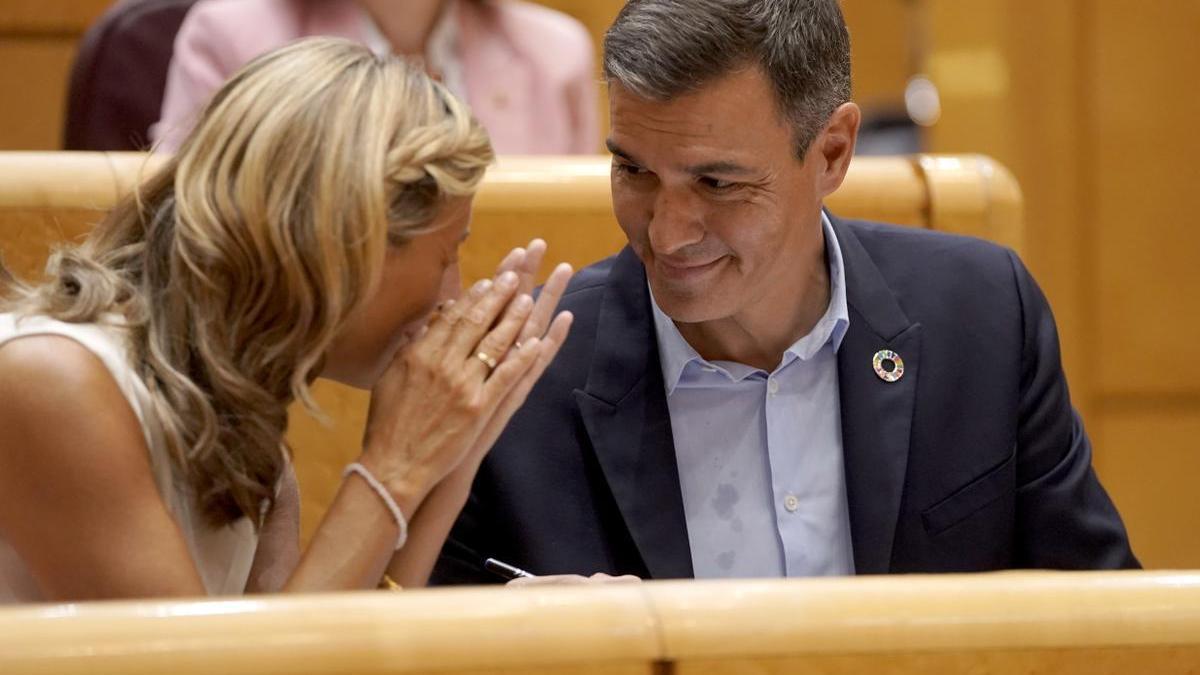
686	305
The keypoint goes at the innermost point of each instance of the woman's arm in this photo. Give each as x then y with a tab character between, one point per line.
427	416
78	500
278	539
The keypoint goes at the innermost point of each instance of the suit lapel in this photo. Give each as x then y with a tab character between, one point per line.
876	415
624	410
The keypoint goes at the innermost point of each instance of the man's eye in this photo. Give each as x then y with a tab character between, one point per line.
629	169
717	184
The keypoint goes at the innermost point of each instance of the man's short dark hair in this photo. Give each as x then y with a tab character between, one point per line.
660	49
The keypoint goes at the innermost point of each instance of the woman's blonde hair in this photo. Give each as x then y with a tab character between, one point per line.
236	264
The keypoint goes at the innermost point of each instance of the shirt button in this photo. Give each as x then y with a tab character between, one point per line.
791	503
772	387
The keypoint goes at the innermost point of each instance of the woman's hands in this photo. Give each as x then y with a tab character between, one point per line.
430	525
541	323
441	404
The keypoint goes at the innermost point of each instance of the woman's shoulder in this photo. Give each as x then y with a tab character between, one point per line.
52	356
106	340
39	367
71	358
60	395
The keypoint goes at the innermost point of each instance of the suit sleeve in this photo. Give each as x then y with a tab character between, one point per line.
1065	519
461	559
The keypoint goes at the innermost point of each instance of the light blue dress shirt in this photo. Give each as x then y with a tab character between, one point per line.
760	454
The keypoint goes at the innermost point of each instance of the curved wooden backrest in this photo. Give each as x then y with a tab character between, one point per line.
1063	623
50	198
47	198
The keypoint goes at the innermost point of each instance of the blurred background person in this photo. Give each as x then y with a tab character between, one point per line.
308	227
525	70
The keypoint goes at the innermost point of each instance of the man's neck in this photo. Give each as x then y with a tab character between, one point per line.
408	25
761	334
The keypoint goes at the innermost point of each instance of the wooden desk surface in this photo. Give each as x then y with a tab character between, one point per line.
1006	622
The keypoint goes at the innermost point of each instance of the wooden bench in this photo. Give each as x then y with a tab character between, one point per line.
50	198
1062	623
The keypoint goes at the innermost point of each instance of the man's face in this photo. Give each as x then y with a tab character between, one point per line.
708	189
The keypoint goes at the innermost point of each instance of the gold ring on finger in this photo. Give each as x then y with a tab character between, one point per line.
487	360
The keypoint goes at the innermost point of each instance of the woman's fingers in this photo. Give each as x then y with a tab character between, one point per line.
506	375
473	318
547	302
441	324
529	266
513	379
513	262
496	343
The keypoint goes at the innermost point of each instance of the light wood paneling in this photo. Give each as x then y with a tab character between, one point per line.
1005	99
1145	144
1153	479
65	17
1074	623
447	631
38	40
1158	660
883	35
34	72
1085	101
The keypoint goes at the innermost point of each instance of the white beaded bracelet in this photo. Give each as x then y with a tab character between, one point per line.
386	496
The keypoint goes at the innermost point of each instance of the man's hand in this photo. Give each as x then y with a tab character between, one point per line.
599	579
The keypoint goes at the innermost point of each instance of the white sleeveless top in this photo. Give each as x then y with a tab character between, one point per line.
223	555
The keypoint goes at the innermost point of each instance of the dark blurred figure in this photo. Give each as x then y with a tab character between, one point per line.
120	73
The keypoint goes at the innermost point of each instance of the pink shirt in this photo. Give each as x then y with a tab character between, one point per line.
527	69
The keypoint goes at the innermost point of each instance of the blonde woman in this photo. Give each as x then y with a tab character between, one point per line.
308	227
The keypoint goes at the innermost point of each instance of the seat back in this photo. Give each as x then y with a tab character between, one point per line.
120	74
47	199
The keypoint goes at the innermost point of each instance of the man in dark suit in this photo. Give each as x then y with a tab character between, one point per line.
754	387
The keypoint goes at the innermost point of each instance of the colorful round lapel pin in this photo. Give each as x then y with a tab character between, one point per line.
888	365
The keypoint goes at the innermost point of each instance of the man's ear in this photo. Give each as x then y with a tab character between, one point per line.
834	147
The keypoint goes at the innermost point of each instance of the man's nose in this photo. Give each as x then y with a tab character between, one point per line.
676	223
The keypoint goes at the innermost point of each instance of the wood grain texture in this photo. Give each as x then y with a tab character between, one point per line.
1153	480
1083	100
1123	622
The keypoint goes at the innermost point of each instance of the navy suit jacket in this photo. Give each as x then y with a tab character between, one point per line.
974	460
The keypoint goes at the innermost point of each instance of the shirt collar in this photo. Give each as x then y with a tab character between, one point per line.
675	354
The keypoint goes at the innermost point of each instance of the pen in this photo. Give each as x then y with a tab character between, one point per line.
505	570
